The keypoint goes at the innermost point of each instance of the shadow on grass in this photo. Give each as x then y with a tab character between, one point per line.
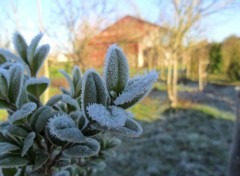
183	143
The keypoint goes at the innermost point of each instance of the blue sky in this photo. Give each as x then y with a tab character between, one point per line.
216	28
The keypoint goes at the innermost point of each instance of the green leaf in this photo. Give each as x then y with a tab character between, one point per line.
77	80
41	158
4	105
70	82
93	90
62	173
112	116
3	59
40	117
28	142
63	128
20	46
53	100
39	58
9	171
116	71
12	160
36	86
22	113
7	147
55	141
4	80
32	48
16	82
136	89
130	129
89	148
17	131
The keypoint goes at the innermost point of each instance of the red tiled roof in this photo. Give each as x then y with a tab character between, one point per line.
127	29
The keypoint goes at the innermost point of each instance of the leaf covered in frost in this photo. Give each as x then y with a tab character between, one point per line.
93	90
16	82
53	100
32	48
69	100
63	128
36	86
28	142
20	45
130	129
62	173
112	116
8	55
23	112
7	147
70	82
4	80
77	80
39	58
86	149
40	160
116	70
40	118
17	130
12	160
136	89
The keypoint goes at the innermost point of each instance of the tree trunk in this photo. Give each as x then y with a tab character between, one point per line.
234	161
174	83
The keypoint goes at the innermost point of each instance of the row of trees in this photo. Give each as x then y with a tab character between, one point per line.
225	58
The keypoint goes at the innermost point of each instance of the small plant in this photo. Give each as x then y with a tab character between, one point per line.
67	136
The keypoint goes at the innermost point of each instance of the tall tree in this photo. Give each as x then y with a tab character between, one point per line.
79	22
183	18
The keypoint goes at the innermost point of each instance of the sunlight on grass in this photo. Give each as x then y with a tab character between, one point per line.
148	110
210	111
3	115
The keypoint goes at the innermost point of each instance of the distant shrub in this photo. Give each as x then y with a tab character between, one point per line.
233	71
66	135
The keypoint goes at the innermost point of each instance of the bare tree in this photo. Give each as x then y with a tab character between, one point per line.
183	17
79	22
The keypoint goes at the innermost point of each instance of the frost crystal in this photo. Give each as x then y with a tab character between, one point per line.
109	117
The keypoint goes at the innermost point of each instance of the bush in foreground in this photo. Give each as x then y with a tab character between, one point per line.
66	135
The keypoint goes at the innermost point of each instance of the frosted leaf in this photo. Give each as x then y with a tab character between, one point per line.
80	119
4	80
7	147
40	118
12	160
20	45
70	82
130	129
109	117
23	112
36	86
28	142
69	100
136	89
63	128
116	70
17	131
64	91
93	90
53	100
32	48
62	173
16	82
8	55
86	149
41	158
77	80
39	58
